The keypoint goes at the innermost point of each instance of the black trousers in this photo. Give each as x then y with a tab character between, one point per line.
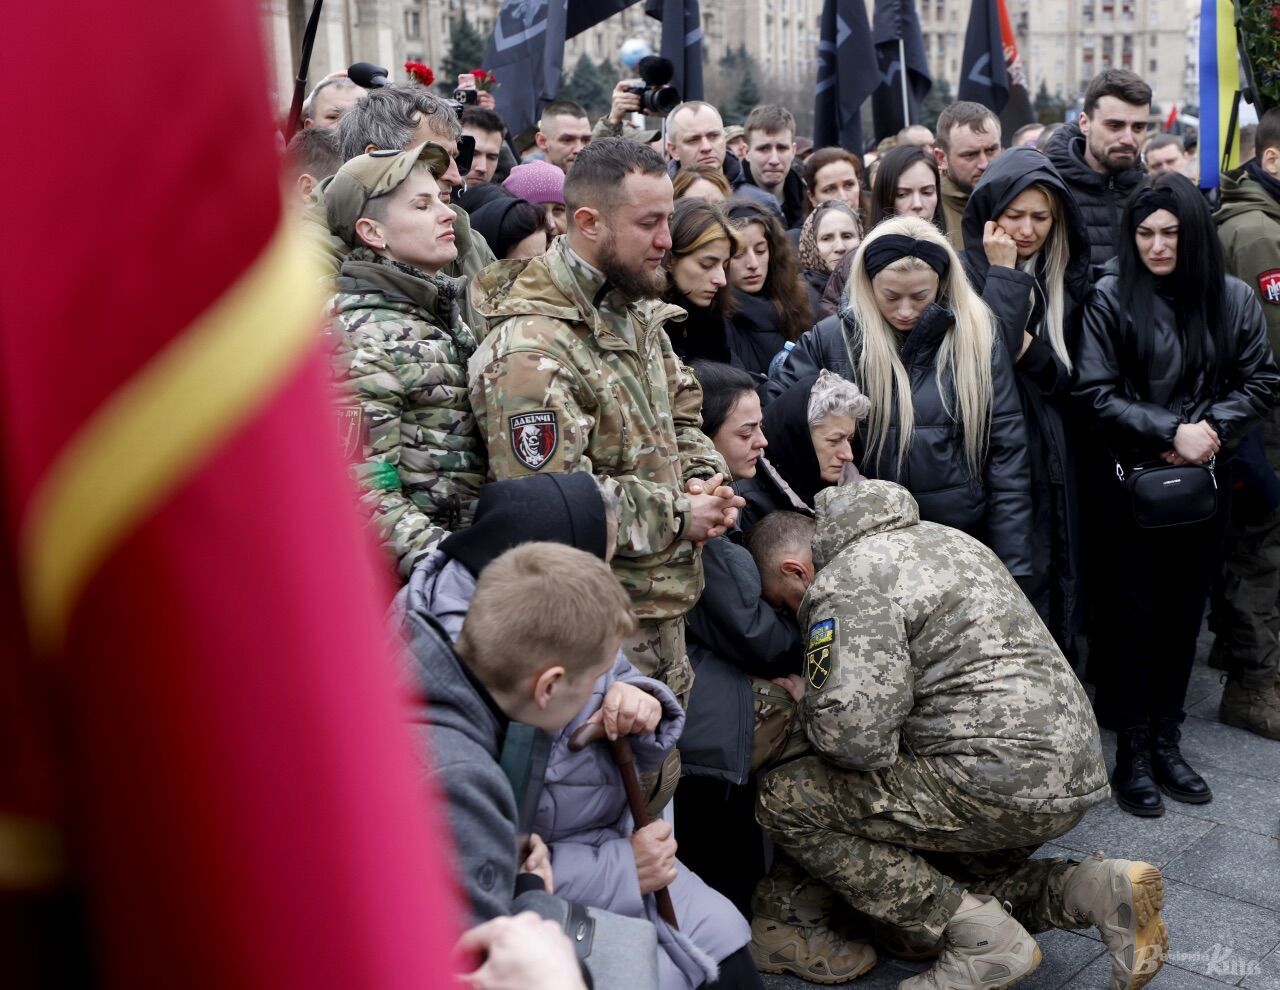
1151	606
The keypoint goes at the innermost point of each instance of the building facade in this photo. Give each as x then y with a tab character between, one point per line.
1062	42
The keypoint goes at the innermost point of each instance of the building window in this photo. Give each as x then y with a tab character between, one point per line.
1155	39
1152	66
412	25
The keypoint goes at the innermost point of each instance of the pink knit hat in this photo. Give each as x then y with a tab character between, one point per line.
538	182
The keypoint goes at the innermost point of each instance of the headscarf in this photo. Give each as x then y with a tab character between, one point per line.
810	257
786	427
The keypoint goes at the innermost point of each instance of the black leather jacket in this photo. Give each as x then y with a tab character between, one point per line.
995	507
1137	410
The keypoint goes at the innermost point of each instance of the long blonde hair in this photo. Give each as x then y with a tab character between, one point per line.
1057	252
965	353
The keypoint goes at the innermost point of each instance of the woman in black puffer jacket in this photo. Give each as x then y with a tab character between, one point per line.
1174	367
1027	253
945	421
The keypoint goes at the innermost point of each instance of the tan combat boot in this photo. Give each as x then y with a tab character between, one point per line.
815	954
1255	709
1123	899
984	948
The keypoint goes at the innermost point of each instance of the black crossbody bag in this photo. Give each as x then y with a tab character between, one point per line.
1162	495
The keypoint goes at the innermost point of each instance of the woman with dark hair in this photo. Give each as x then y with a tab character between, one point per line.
906	184
771	301
702	242
833	173
1174	367
513	228
1026	253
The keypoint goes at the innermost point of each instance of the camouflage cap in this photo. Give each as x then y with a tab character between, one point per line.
374	174
734	131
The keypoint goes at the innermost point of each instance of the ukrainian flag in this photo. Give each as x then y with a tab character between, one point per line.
1219	83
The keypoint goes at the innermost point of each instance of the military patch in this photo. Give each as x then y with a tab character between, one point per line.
351	431
817	656
1269	286
534	437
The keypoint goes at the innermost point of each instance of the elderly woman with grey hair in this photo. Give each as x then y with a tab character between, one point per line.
810	429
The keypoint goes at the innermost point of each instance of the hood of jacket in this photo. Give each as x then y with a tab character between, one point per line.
544	286
556	508
1242	195
786	426
400	286
849	512
1004	180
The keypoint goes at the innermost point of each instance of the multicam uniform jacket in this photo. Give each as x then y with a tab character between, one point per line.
401	359
572	378
918	640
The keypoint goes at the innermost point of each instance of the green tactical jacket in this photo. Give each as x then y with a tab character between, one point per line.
401	361
571	378
920	641
1249	228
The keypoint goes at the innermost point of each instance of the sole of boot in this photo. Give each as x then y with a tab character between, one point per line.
1151	941
1240	723
1137	809
1184	797
782	969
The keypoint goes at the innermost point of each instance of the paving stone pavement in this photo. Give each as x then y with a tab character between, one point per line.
1221	863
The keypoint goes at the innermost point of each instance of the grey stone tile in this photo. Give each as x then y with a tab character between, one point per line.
1240	801
1211	744
1063	955
1266	976
1234	863
1204	689
1097	974
886	975
1116	833
1216	936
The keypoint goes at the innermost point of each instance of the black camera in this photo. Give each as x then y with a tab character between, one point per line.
467	97
657	97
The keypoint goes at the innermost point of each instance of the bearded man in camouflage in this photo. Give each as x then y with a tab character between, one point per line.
402	350
952	740
577	374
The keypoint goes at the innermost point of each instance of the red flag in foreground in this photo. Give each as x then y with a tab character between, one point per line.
200	736
1171	121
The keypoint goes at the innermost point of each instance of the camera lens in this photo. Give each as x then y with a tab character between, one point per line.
662	100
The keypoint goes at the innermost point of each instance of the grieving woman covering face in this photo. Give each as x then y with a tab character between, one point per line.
1026	253
945	421
1174	368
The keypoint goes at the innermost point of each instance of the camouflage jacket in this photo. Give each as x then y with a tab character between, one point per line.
328	251
919	640
401	359
572	379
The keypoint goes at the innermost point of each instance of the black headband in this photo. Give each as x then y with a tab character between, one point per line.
884	251
1150	200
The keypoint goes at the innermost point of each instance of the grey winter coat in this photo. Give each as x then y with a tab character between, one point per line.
583	817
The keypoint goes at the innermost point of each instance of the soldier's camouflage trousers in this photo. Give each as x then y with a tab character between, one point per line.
1244	611
901	846
656	649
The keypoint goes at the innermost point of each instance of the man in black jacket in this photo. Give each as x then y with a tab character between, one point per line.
1099	157
771	151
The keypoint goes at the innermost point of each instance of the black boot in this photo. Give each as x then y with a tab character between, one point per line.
1134	787
1172	772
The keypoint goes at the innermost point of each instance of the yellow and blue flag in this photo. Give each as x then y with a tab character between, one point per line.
1219	83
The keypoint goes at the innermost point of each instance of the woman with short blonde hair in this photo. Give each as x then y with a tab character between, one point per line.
945	421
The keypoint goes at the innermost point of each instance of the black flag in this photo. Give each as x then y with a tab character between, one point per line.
681	42
897	36
526	52
847	75
991	70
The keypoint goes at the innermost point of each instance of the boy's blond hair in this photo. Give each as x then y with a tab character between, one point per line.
541	604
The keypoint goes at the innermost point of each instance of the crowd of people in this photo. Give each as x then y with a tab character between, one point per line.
826	481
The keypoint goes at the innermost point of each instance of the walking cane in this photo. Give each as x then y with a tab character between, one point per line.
625	759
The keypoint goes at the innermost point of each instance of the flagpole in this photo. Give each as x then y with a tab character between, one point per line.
902	70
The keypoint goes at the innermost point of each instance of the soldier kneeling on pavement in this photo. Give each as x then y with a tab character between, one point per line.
952	739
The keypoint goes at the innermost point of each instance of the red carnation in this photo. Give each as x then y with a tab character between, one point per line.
1275	18
420	73
485	81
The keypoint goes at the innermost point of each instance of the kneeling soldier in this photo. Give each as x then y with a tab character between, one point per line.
953	739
